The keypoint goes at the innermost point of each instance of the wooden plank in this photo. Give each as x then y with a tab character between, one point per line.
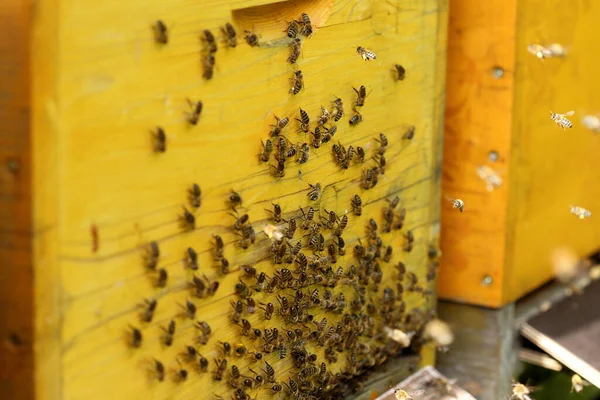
16	269
115	85
483	355
555	168
478	121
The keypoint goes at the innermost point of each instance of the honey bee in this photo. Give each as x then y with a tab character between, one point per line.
169	332
161	280
296	46
192	259
315	192
194	194
136	338
208	62
360	152
188	220
580	212
160	140
292	29
148	313
456	203
211	43
291	229
410	133
194	116
338	109
539	51
267	150
355	119
221	368
152	255
307	29
388	254
365	54
268	308
578	383
403	395
270	373
235	199
304	121
224	265
409	241
218	247
181	374
298	84
161	34
303	154
382	163
400	72
159	370
230	34
246	327
279	125
370	178
279	170
190	309
251	38
561	119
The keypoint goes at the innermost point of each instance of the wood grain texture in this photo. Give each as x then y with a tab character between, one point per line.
509	233
16	268
95	167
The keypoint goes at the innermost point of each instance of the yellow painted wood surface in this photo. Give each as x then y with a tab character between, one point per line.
508	234
101	85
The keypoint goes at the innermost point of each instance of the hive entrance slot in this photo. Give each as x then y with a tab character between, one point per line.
270	21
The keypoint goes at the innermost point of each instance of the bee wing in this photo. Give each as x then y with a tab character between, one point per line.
417	393
569	113
450	199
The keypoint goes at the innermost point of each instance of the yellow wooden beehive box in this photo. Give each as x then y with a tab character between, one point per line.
497	116
104	186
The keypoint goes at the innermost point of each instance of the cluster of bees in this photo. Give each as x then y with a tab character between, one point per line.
325	306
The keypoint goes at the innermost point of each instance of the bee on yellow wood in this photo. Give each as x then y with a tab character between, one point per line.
456	203
196	107
292	29
366	54
403	395
251	38
580	212
307	29
400	72
161	34
578	383
230	34
296	46
208	61
298	80
561	119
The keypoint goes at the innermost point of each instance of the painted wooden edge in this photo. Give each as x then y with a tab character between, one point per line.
45	145
16	282
479	99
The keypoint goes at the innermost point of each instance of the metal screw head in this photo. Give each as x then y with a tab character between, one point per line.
487	280
498	72
13	165
493	155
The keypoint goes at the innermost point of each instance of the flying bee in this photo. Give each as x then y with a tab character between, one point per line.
152	255
580	212
577	383
235	199
251	38
160	140
561	119
208	63
188	221
230	35
267	150
303	154
191	259
539	51
279	125
400	72
315	192
456	203
520	392
324	116
296	46
403	395
161	34
292	29
298	84
410	133
169	332
355	119
209	39
307	29
196	107
365	54
338	109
